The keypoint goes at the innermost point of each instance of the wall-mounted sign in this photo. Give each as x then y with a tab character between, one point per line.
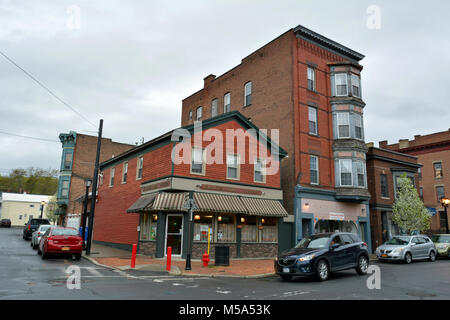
432	211
337	216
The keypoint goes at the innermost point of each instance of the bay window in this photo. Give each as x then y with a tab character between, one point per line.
343	124
356	85
361	173
341	84
358	126
345	171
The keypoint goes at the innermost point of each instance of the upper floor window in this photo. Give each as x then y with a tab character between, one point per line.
314	169
198	163
345	170
259	171
358	126
232	166
248	94
384	186
312	116
124	172
343	123
139	166
421	193
437	169
199	113
356	86
440	192
68	161
214	106
311	79
361	173
341	84
190	115
65	188
227	102
111	177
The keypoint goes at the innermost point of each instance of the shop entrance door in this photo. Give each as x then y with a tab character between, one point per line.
174	233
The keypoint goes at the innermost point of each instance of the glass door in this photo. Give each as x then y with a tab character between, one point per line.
174	233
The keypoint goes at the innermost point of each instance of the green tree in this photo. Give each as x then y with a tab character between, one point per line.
408	211
31	180
50	209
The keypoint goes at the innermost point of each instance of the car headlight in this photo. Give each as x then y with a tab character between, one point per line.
307	258
378	249
398	250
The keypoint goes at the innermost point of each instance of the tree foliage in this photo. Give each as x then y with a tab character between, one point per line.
31	180
408	211
50	209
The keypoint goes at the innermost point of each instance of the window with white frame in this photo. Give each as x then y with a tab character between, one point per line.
312	117
248	94
139	167
358	126
214	105
361	173
356	91
124	172
343	124
311	79
65	188
199	113
345	172
232	166
111	177
341	84
259	171
227	102
314	169
198	163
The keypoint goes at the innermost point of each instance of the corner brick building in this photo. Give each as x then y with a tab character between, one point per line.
77	165
309	88
433	153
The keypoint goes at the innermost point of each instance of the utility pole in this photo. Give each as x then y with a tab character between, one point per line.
94	189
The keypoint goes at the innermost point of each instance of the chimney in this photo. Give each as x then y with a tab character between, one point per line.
369	145
383	143
403	143
207	81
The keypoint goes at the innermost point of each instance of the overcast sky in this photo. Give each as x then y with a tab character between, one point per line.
132	62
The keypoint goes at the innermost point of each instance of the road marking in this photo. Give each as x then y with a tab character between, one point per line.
93	271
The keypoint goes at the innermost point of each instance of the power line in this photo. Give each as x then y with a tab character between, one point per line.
28	137
46	88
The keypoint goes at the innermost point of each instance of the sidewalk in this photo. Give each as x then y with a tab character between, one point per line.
121	260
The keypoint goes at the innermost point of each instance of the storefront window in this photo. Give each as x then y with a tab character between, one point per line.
323	226
148	226
268	227
202	222
249	229
226	228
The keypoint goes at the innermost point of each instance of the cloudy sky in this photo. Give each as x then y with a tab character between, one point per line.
132	62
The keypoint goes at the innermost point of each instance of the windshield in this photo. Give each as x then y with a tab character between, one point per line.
313	242
44	228
399	241
441	239
64	232
39	221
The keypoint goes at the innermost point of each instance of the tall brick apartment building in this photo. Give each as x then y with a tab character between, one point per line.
433	152
77	165
309	88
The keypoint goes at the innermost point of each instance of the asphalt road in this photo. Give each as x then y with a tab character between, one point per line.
24	275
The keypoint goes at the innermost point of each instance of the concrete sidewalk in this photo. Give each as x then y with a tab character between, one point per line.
121	260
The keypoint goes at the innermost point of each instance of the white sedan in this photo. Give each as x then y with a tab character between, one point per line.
37	235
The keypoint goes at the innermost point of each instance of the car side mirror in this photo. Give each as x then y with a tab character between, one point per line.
334	246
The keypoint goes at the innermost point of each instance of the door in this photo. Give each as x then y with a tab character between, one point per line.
174	233
415	248
350	250
338	255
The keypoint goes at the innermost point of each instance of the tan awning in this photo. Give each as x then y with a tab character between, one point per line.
166	201
264	207
144	203
219	203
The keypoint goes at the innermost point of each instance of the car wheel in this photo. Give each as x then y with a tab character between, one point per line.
285	277
432	257
363	265
408	258
322	270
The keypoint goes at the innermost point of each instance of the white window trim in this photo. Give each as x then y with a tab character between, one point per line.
313	78
360	117
125	166
197	118
336	84
317	164
139	165
203	161
316	121
363	173
340	173
263	170
348	124
238	173
352	76
225	100
112	175
246	93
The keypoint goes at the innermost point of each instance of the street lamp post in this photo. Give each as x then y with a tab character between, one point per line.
445	202
87	183
42	207
190	206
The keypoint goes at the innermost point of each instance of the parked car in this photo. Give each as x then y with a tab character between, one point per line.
442	244
320	254
407	249
60	240
32	226
37	235
5	223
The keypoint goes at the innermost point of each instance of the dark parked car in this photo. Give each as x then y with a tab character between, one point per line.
60	240
320	254
5	223
32	226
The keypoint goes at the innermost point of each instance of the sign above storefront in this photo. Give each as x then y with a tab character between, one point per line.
337	216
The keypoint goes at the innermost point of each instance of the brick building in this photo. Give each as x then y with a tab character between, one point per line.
77	165
309	88
433	153
384	167
238	196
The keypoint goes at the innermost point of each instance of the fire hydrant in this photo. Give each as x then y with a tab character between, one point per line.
205	259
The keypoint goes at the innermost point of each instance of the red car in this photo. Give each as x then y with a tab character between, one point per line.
61	240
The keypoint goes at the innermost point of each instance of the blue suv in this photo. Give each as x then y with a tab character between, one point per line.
320	254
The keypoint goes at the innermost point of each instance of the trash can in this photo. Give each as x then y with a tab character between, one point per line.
222	257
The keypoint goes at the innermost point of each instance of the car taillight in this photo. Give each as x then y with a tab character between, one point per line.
39	233
365	244
29	227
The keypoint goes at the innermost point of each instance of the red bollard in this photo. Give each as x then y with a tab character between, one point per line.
133	256
169	258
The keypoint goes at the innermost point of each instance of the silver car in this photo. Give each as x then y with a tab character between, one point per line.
37	235
407	249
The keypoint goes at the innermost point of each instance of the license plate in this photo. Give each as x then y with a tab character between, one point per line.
286	270
65	248
384	255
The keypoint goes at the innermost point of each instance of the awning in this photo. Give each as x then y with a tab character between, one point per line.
264	207
212	202
143	203
166	201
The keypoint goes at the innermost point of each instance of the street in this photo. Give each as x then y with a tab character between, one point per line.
25	276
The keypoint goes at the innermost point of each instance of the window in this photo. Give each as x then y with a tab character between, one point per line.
226	228
68	161
314	169
248	94
355	86
214	105
139	166
312	116
421	193
232	166
124	172
111	178
199	113
346	239
198	163
361	173
148	226
341	84
259	171
227	102
437	169
269	230
345	169
190	115
358	126
65	188
249	229
203	222
384	186
419	173
440	193
343	123
311	79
